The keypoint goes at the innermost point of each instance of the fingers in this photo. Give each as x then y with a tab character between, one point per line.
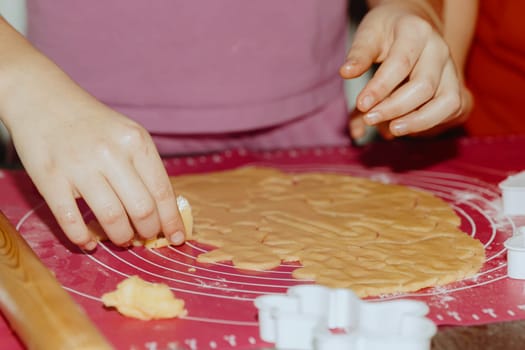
107	207
384	131
416	86
128	192
449	106
356	125
364	51
421	87
406	51
446	105
359	132
141	184
135	197
357	128
150	168
58	194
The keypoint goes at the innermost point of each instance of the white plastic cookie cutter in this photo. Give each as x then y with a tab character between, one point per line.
516	254
513	194
312	317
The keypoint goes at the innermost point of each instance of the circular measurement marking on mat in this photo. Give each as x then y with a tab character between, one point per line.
222	288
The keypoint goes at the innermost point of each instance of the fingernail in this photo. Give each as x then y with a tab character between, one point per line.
367	102
177	238
372	118
399	129
346	68
91	245
127	244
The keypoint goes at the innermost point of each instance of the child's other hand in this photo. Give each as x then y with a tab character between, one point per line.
416	86
357	125
80	148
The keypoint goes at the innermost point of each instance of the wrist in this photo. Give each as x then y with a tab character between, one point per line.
430	10
31	87
17	62
28	80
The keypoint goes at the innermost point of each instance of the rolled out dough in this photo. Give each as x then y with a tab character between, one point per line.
345	231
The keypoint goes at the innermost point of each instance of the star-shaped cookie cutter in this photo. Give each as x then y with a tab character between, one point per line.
313	317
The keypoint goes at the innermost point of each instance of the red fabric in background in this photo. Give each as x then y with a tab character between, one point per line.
496	69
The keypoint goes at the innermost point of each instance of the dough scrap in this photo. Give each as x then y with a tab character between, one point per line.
137	298
346	231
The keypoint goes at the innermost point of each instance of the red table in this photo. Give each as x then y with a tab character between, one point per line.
464	172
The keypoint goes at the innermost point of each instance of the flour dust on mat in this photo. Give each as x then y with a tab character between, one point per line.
345	231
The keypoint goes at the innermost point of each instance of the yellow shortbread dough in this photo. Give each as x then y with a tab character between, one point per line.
345	231
137	298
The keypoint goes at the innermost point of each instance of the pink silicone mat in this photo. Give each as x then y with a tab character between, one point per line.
219	298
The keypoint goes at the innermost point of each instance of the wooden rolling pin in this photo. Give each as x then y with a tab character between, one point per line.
38	309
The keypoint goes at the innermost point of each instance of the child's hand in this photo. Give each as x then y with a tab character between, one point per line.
72	146
357	124
80	148
416	86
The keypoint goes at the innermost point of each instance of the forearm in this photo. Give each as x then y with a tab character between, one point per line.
459	25
437	5
432	10
28	79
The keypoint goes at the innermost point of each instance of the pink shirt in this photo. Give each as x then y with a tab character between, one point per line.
206	75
